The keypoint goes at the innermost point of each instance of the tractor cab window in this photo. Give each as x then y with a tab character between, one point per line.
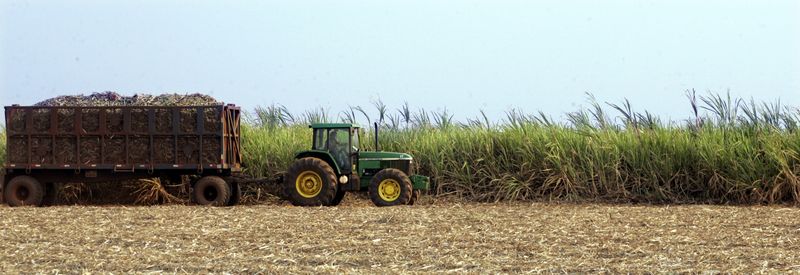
339	146
338	139
354	144
320	139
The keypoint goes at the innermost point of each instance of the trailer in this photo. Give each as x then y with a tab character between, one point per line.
46	145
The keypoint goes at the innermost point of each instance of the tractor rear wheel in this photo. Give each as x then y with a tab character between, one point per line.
339	196
211	190
341	192
310	182
390	187
24	191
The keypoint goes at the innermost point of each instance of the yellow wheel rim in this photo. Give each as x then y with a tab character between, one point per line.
308	184
389	190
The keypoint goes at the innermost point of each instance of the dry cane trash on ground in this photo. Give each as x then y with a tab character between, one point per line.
441	237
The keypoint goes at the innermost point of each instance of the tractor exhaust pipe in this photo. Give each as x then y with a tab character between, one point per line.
376	137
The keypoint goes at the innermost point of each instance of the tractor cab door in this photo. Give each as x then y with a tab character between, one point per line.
354	145
338	143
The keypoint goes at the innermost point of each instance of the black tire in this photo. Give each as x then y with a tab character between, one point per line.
314	178
414	197
340	193
50	197
355	180
236	194
211	190
24	191
391	177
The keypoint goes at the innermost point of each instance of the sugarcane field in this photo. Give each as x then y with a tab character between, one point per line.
412	137
505	211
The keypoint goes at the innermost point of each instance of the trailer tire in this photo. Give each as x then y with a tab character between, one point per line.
50	197
24	191
310	182
390	187
211	190
236	194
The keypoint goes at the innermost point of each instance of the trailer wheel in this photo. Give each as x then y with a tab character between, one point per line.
24	191
50	197
236	194
211	190
310	182
390	187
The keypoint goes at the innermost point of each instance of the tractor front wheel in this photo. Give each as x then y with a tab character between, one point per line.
310	182
390	187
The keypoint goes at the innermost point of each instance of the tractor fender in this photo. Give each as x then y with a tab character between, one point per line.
323	155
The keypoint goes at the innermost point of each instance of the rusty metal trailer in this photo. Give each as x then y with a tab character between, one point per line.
93	144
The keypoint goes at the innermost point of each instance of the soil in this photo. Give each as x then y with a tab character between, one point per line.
436	236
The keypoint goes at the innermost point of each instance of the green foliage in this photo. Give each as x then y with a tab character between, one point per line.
267	152
729	152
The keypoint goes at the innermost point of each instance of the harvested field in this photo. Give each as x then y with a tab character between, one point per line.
434	237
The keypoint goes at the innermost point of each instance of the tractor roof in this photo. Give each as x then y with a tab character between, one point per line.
332	125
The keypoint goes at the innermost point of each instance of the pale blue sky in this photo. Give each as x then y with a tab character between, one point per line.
462	55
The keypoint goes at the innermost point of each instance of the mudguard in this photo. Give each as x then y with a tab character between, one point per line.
323	155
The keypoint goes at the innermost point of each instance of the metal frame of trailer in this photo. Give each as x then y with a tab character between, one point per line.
33	146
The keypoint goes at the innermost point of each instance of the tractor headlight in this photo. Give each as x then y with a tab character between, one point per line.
343	179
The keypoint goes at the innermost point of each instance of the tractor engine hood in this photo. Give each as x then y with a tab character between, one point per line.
383	156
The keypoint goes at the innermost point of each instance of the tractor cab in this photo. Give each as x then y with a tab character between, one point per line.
336	165
340	140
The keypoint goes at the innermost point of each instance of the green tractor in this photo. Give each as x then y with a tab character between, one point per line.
335	165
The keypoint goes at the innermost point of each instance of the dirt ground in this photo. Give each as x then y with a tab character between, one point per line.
433	237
